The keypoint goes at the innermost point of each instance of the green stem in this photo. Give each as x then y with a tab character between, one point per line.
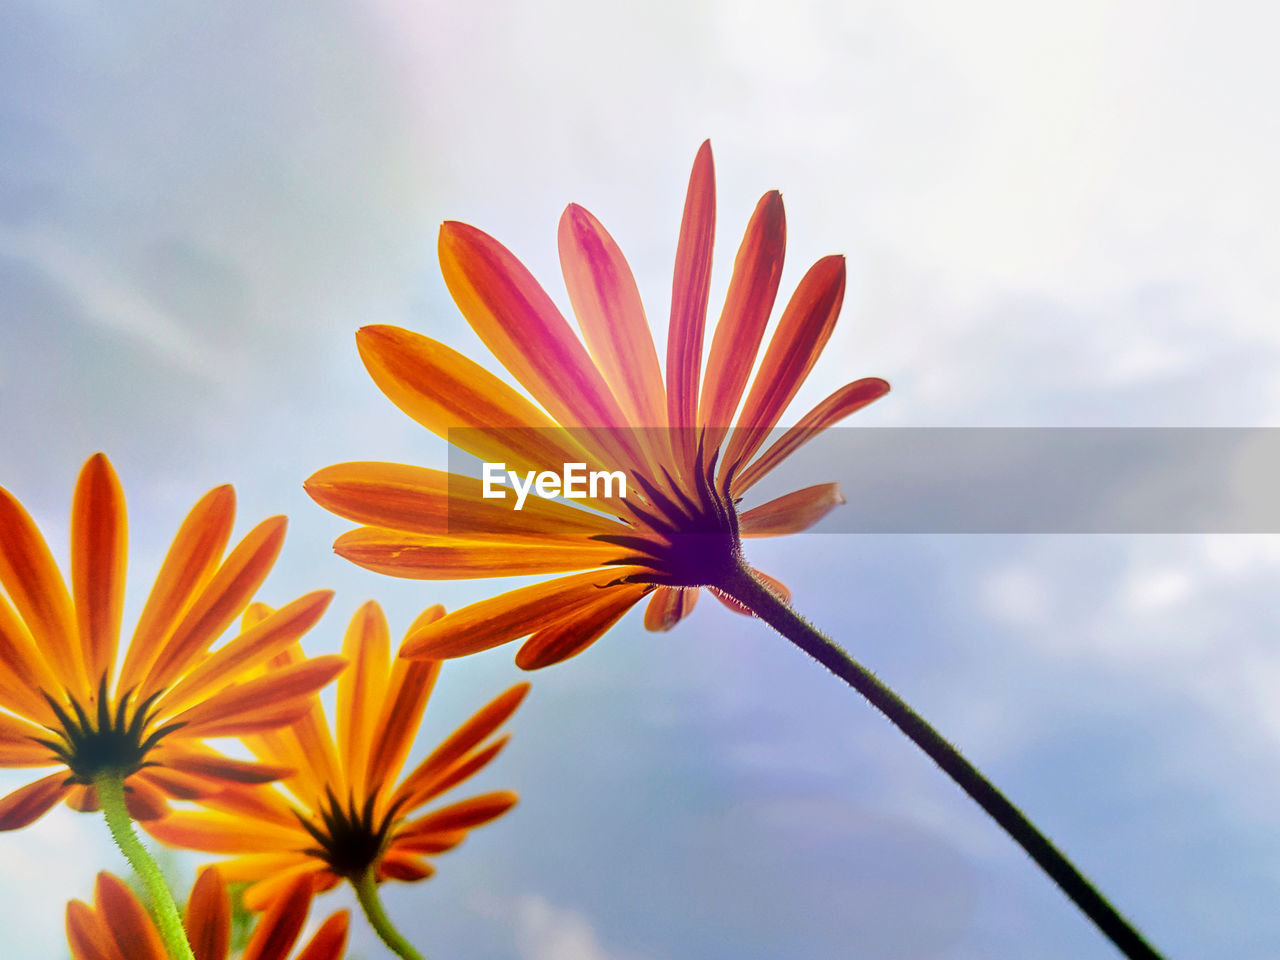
110	788
744	587
366	886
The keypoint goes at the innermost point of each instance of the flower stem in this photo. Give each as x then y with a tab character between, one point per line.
110	788
744	587
366	886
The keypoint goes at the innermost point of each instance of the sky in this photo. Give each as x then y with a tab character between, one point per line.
1054	215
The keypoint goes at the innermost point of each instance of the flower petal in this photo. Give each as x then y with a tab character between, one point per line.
18	747
428	842
560	641
611	316
330	940
278	889
273	700
200	761
143	800
208	916
803	331
132	930
417	557
850	397
28	804
433	502
509	616
464	815
23	670
192	558
668	606
254	866
31	578
463	770
278	929
445	391
252	647
752	292
362	688
690	288
516	319
86	936
403	865
478	727
225	833
222	600
99	548
791	513
411	684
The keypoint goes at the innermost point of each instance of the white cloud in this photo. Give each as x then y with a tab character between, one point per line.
545	931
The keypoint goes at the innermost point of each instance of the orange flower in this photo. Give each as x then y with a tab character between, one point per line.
601	395
345	817
66	704
117	926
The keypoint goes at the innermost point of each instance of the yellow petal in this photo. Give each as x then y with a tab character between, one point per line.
362	688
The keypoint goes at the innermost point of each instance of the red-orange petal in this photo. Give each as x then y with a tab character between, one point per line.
611	316
126	919
191	560
464	815
509	616
849	398
560	641
28	804
279	927
752	292
791	513
223	833
31	578
403	865
690	288
86	936
223	599
18	747
516	319
668	606
99	548
803	331
208	916
330	940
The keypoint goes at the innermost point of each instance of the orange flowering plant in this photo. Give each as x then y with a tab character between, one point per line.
126	735
343	813
118	927
690	444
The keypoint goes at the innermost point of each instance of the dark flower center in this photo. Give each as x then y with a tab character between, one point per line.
691	536
352	839
101	739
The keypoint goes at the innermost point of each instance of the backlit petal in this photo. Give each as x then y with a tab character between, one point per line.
270	699
803	331
208	916
126	919
611	316
222	600
279	927
509	616
31	578
690	288
28	804
87	937
560	641
418	557
362	688
668	606
791	513
192	558
99	547
329	941
850	397
752	291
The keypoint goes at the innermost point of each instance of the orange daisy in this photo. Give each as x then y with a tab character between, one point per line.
117	926
64	702
341	814
598	400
